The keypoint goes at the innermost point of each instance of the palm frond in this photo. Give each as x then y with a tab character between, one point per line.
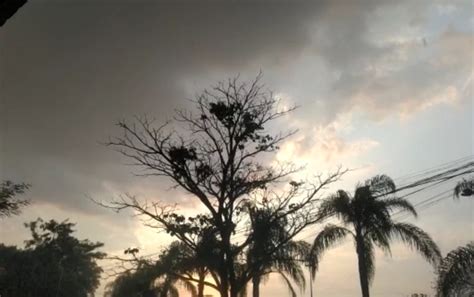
328	237
294	272
380	238
336	205
455	273
399	204
417	239
299	248
380	185
189	286
289	285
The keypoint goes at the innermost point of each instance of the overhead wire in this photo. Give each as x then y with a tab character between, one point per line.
426	178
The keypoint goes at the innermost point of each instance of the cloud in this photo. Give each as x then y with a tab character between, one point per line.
411	77
382	59
324	146
65	86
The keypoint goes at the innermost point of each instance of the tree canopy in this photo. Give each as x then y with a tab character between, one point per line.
53	263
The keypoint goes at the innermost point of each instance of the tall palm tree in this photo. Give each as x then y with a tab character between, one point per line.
367	218
456	273
267	254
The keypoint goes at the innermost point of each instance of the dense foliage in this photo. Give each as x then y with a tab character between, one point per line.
53	263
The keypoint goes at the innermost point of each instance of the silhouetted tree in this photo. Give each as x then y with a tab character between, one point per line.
264	258
9	203
54	263
456	273
218	159
136	283
8	8
189	267
162	278
366	217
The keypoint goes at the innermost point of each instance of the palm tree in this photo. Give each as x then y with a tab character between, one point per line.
147	281
367	218
174	268
456	273
464	188
267	254
139	283
181	263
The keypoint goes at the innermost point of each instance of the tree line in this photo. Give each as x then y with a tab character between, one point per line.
254	211
52	263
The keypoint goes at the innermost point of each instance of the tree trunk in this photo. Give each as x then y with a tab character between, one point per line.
228	277
234	292
224	287
363	275
202	277
223	267
256	286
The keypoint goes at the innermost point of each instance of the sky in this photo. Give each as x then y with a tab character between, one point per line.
382	87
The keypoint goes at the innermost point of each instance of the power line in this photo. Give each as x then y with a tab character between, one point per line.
434	168
449	172
430	182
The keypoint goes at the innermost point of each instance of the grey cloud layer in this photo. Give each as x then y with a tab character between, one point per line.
69	71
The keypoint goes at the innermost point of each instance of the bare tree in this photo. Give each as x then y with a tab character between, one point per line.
218	160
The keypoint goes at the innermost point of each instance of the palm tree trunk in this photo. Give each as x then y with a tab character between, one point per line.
363	275
256	286
202	277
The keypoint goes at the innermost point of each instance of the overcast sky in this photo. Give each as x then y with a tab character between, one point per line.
383	86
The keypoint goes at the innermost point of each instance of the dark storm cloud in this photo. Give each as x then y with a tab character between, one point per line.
69	71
